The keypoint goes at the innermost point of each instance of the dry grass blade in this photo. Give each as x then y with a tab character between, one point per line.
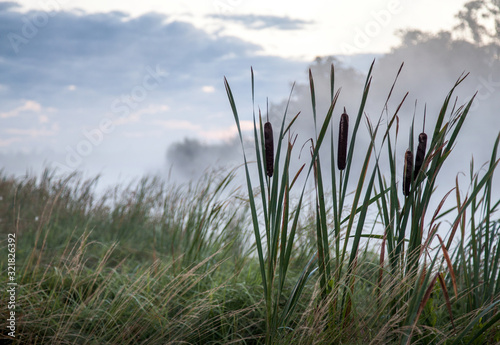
447	299
297	175
461	211
450	266
422	305
347	319
440	206
381	269
269	147
343	134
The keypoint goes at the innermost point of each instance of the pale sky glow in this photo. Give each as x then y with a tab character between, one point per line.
328	27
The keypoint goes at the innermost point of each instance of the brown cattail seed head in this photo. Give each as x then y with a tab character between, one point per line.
343	132
419	158
407	172
269	148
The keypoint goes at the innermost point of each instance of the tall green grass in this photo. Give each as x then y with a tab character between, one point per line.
149	263
412	267
280	224
299	257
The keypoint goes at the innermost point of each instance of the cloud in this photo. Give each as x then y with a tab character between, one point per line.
8	142
83	64
27	106
136	116
177	124
260	22
104	51
85	61
6	5
223	133
43	119
208	89
34	132
139	134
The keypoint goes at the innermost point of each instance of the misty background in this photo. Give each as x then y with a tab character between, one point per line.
125	96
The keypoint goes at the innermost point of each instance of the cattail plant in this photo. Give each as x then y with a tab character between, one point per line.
269	148
275	252
407	172
343	132
406	280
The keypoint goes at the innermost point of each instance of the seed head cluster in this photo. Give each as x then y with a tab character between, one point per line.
409	173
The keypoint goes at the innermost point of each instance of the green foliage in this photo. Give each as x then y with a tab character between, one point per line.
406	236
155	263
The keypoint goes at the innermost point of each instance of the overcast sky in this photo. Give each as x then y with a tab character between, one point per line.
106	87
298	29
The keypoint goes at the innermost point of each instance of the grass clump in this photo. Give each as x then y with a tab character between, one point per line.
156	263
412	276
149	263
